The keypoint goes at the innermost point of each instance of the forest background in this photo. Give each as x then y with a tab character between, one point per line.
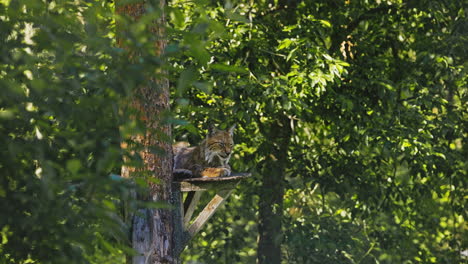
351	116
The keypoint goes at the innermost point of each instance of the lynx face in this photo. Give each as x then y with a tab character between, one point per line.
219	144
209	159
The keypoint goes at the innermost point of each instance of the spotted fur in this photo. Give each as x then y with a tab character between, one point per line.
209	159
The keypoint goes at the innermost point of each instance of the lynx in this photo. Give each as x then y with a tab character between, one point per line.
209	159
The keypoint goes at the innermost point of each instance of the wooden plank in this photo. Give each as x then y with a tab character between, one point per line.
181	236
190	204
208	211
205	186
218	183
234	176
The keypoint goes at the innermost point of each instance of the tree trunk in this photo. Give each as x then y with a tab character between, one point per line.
152	229
271	194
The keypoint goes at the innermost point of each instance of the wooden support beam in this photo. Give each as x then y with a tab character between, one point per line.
181	236
190	204
208	211
183	212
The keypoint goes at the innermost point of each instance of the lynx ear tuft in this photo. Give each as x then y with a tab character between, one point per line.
212	130
231	130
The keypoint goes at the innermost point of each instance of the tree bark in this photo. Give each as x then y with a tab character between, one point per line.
152	229
271	194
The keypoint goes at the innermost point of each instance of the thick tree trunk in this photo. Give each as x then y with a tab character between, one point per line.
271	194
152	229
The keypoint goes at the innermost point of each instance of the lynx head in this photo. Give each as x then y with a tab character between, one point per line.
219	143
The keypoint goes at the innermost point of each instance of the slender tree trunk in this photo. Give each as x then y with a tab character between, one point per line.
152	229
271	194
272	170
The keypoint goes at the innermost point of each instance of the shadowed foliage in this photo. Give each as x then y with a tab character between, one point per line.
351	117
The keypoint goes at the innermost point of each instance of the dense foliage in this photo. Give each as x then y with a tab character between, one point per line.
62	79
351	115
364	104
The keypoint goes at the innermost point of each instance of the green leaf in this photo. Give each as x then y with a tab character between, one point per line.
228	68
186	78
73	165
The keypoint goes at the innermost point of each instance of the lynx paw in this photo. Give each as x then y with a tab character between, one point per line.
182	174
215	172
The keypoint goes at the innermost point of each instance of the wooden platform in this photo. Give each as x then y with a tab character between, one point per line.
194	187
218	183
